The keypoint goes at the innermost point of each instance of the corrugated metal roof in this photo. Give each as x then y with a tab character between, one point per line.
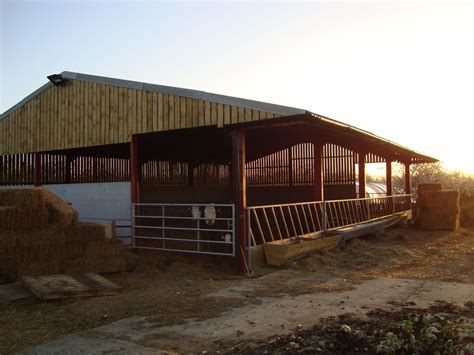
222	99
194	94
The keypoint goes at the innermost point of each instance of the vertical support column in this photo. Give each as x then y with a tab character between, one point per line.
362	174
388	177
318	171
240	199
37	170
407	179
134	165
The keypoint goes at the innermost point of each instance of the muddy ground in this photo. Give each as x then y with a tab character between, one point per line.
171	292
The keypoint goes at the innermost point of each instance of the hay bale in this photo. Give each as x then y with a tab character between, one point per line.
79	248
439	210
466	202
434	186
60	213
23	209
442	200
29	245
439	221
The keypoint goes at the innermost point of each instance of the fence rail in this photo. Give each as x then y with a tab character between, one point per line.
189	228
276	222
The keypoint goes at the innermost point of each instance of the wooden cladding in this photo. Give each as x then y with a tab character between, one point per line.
59	169
16	169
178	174
83	114
270	170
294	167
338	165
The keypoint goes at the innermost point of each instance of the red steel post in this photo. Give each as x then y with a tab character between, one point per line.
318	171
407	179
240	200
388	177
362	175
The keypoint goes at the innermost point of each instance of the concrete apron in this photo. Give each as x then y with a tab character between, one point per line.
274	316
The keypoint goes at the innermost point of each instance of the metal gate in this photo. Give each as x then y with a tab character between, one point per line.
189	228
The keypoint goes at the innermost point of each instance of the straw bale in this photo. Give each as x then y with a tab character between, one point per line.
430	187
60	212
61	250
439	221
86	231
31	246
437	201
26	209
466	202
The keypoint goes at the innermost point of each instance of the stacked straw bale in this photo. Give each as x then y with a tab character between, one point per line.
438	209
40	234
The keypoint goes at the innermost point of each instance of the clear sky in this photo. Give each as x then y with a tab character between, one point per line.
402	70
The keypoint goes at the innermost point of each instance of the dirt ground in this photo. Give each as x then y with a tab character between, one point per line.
172	291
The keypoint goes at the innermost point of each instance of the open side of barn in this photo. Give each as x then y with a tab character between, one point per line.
189	171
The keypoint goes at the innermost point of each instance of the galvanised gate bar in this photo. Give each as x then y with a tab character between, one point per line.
134	145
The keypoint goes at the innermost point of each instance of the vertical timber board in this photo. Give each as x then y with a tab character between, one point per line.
182	112
149	113
213	114
28	127
121	115
108	110
74	92
82	117
3	143
240	114
189	112
177	112
131	114
248	115
227	118
195	104
113	115
160	112
171	124
139	112
201	113
103	113
220	115
166	124
155	112
207	113
233	115
89	116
